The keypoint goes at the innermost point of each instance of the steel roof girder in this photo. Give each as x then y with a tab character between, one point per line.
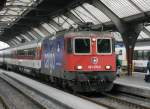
2	3
16	40
25	37
146	31
30	34
28	22
131	34
10	43
56	25
115	19
73	17
44	31
28	37
36	34
13	42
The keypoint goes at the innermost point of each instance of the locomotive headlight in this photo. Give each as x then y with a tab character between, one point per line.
93	39
79	67
107	67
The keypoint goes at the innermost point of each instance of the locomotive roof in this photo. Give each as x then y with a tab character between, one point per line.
80	33
89	33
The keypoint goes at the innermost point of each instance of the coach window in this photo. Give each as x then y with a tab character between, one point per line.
34	52
145	54
140	55
82	45
31	52
19	52
135	55
69	45
103	46
148	54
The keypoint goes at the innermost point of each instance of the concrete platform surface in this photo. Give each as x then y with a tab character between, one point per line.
134	84
136	80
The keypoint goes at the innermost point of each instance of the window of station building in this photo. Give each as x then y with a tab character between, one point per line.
103	46
82	45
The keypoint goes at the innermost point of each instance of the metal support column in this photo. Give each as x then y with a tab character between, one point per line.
130	38
129	52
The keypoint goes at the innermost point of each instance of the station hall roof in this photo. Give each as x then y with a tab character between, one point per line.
27	20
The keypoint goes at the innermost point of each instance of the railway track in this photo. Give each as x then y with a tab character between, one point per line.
115	100
12	96
119	101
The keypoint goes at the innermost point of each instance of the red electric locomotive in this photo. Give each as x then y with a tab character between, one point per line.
90	61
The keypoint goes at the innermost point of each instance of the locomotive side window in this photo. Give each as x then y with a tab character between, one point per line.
103	46
82	45
113	46
69	45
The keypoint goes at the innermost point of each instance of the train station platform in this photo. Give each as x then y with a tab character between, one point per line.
49	97
134	84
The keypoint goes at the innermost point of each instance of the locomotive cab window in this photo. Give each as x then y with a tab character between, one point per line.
82	45
103	45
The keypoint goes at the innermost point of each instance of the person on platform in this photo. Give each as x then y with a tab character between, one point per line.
147	76
118	66
148	66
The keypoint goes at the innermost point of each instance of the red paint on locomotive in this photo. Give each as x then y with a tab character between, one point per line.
84	61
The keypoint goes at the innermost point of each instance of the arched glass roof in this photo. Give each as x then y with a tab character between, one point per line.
86	12
14	9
